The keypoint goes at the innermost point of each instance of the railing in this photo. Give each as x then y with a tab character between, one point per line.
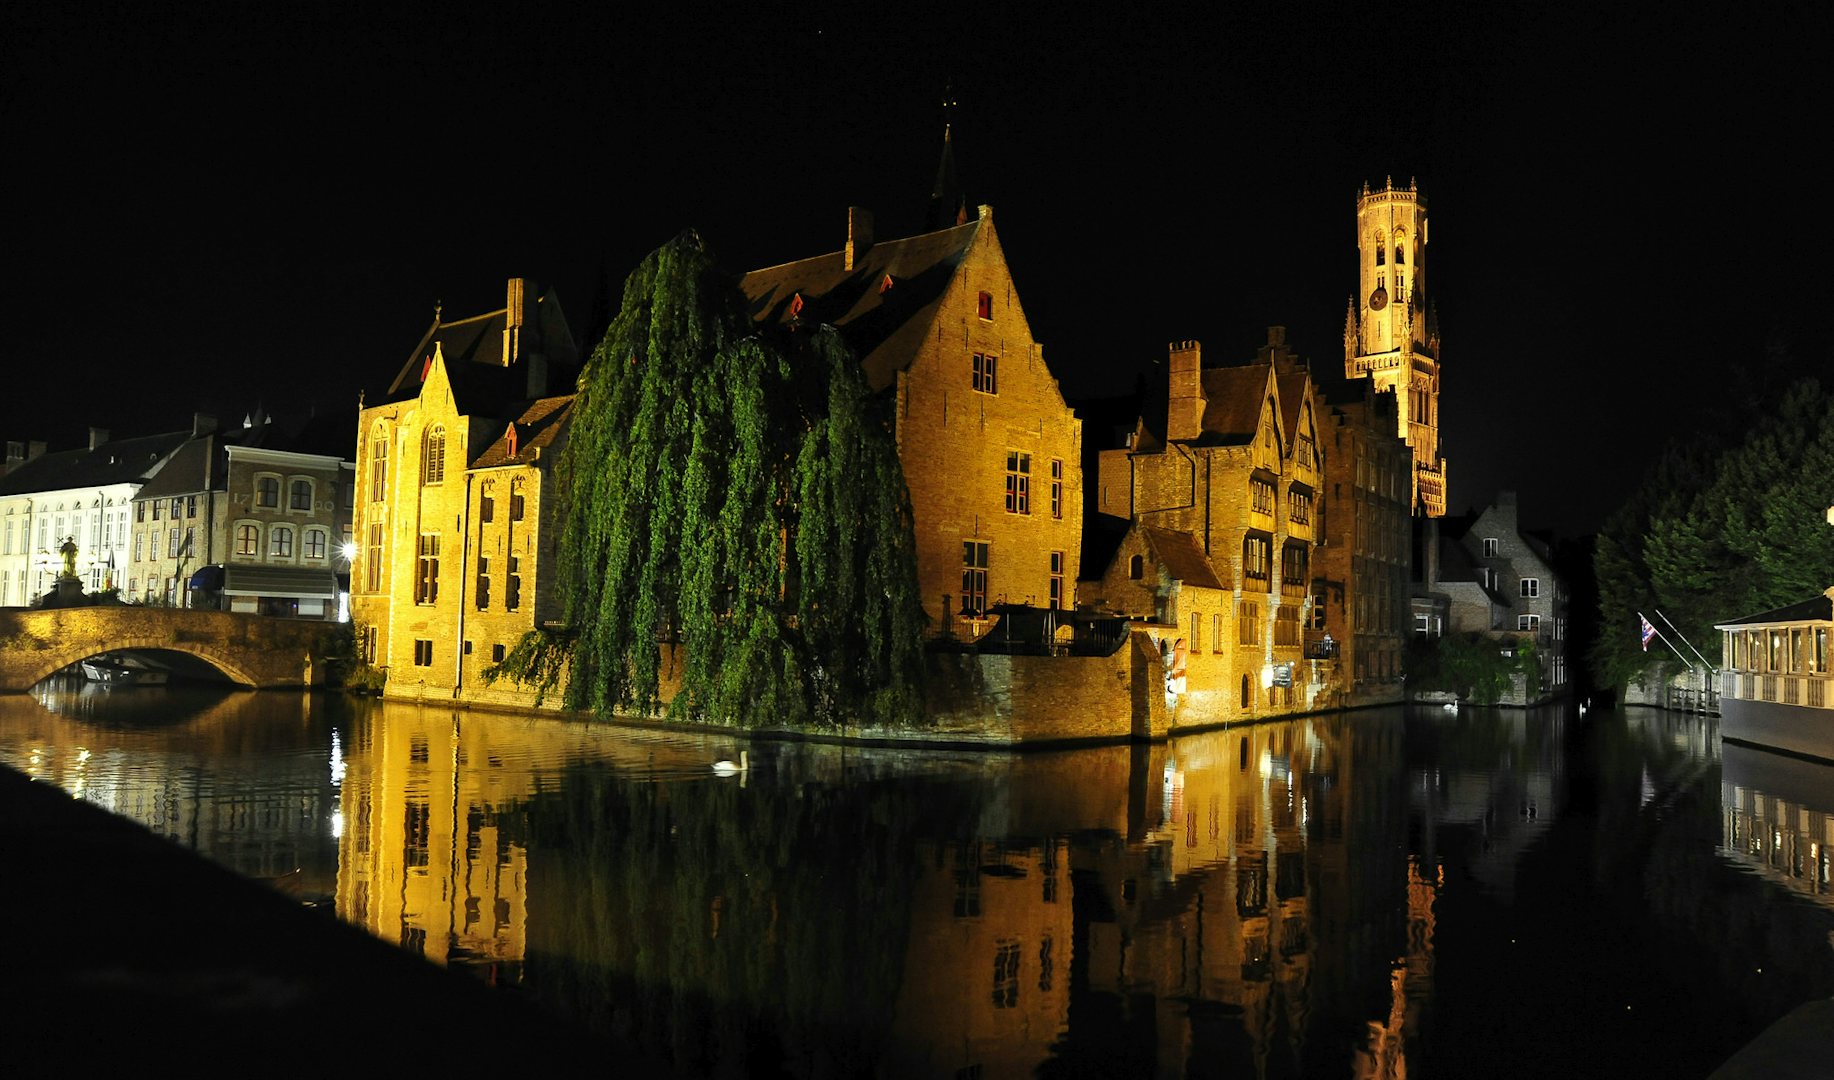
1810	690
1320	647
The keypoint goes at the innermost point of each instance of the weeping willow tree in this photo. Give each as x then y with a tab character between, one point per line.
730	490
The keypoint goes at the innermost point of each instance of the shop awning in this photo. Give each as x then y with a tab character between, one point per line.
209	577
286	582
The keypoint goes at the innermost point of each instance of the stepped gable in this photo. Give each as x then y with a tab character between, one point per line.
122	461
883	323
524	438
1181	556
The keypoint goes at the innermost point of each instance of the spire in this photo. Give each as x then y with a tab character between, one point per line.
1350	334
947	206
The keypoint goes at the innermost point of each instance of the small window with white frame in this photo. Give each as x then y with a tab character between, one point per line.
1531	587
1489	547
1530	623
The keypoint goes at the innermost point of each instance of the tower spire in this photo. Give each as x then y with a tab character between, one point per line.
947	206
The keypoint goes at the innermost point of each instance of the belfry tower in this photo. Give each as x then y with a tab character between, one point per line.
1391	332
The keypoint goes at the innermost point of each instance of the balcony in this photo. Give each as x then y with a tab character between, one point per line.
1320	646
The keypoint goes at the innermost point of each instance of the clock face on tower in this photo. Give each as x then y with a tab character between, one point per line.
1378	299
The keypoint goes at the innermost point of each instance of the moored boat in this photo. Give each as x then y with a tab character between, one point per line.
122	671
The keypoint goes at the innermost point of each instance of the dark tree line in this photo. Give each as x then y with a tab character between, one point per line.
1721	528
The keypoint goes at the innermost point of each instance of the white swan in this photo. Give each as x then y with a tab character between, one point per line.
729	768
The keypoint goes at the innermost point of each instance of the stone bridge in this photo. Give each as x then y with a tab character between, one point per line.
257	651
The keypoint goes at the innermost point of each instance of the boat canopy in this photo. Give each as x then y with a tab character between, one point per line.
286	582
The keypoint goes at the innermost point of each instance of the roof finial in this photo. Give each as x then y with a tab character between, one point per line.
948	207
438	306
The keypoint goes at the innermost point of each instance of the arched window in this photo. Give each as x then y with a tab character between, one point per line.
1247	700
267	492
1381	252
1400	249
433	457
300	495
1136	567
280	542
378	465
248	540
315	543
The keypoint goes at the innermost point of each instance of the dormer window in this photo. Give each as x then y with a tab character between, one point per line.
885	284
796	305
986	306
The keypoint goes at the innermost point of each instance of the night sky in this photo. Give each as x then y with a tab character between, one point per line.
1627	232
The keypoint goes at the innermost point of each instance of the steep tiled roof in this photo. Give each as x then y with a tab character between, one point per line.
1292	396
1182	557
122	461
1233	398
535	430
883	325
473	351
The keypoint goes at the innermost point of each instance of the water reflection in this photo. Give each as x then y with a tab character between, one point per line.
1376	894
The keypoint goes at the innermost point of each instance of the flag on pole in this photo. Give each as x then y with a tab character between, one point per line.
1648	631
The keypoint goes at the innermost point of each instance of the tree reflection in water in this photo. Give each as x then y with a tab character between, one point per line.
1373	894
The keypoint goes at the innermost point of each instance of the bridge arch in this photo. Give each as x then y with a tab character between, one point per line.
256	651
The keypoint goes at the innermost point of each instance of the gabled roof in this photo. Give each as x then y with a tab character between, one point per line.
122	461
536	429
883	326
482	384
1233	398
1817	609
1292	398
186	472
1181	556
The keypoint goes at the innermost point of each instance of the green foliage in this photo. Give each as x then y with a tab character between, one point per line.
539	659
1718	532
730	490
1474	666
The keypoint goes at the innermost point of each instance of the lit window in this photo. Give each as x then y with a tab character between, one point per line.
1261	495
986	367
1018	482
373	560
378	466
985	307
974	578
1299	506
1257	557
248	540
433	457
1057	591
1056	488
426	577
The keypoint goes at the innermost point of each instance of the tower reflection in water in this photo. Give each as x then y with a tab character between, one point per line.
1273	900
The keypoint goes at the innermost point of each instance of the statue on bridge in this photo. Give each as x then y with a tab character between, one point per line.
69	553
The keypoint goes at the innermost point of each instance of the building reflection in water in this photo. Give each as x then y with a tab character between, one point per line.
1262	901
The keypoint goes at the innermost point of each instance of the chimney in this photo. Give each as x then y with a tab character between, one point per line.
537	365
34	450
859	236
1184	413
97	436
202	424
515	316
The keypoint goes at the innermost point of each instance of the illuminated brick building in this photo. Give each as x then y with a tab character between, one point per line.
1391	331
990	451
455	527
1220	485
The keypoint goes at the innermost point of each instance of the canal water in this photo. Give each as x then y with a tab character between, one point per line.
1382	893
